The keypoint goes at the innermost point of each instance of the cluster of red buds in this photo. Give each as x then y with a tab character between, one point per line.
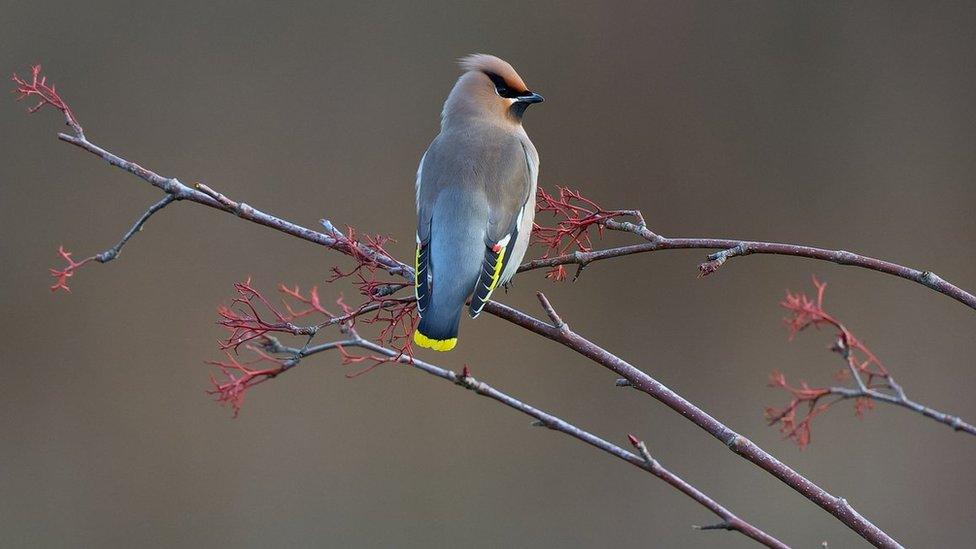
45	94
574	216
806	402
253	321
62	275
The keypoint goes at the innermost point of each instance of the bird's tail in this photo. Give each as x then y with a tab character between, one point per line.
438	329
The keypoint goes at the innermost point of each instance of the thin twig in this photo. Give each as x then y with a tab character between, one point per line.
62	275
113	252
898	398
957	423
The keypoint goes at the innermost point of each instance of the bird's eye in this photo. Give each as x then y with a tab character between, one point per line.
500	87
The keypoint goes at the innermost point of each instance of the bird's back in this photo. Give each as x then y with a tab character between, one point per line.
482	162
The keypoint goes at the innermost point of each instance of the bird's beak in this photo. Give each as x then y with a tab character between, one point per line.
532	97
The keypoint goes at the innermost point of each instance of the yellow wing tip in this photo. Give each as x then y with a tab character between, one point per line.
435	344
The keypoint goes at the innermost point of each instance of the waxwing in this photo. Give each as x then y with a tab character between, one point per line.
476	189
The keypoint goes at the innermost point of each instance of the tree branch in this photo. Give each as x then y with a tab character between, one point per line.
179	191
872	381
729	520
560	332
467	381
589	214
899	399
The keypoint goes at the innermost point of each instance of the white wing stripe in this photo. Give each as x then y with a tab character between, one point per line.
420	173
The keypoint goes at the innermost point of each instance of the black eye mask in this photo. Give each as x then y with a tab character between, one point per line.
502	88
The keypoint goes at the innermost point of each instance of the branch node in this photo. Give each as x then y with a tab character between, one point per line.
466	380
735	441
930	279
844	257
330	228
107	255
717	259
642	449
174	187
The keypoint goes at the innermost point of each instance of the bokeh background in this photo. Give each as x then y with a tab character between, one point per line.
850	126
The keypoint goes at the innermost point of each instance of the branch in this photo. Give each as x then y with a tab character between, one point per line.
872	381
271	349
560	332
729	520
176	190
587	214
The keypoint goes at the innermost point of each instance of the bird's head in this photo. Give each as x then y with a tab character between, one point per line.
489	87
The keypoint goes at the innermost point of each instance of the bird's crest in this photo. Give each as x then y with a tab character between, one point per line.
491	65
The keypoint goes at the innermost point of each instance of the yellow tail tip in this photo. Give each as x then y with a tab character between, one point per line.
435	344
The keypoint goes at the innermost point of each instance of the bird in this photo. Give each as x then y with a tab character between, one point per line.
476	187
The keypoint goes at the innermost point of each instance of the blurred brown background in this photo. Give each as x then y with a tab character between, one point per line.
835	125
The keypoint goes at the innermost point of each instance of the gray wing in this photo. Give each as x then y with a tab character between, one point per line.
485	180
452	213
508	193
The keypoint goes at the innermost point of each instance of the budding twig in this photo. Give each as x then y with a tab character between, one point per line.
62	275
872	381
